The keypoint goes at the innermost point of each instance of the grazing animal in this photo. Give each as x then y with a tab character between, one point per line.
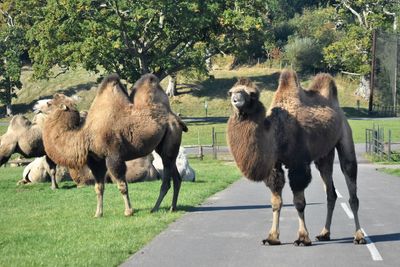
185	170
301	126
116	130
25	137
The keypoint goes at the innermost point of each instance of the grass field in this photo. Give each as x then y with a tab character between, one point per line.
41	227
395	172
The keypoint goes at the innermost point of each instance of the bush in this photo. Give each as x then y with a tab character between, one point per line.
304	54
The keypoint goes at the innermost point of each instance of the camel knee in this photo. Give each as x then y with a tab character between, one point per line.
122	187
99	188
276	203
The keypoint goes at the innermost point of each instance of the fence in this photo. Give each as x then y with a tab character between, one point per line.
376	145
212	142
385	74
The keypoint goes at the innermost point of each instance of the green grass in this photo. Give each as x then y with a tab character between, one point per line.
41	227
395	172
358	127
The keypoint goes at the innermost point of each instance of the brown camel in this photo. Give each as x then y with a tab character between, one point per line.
115	130
25	137
301	126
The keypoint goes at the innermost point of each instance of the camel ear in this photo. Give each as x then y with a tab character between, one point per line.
63	107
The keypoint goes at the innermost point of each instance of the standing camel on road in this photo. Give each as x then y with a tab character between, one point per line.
301	126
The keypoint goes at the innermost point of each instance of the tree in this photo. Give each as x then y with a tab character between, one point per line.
136	37
11	50
357	19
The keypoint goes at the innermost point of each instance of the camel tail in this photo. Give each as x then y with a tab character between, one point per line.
325	85
288	81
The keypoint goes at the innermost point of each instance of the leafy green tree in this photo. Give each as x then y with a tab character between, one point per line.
357	19
136	37
11	49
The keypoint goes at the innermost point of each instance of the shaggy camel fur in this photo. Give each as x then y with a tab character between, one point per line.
301	126
25	137
115	131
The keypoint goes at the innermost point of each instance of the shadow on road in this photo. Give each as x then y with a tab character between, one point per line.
243	207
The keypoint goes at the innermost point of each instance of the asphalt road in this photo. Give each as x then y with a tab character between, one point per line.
228	228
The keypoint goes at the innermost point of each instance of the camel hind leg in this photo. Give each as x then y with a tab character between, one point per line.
325	167
348	164
116	169
168	151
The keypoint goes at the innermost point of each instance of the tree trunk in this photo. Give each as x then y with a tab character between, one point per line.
171	89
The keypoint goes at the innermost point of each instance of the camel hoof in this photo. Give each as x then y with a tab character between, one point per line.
154	210
128	212
173	209
54	187
359	238
271	242
98	215
360	241
323	237
302	243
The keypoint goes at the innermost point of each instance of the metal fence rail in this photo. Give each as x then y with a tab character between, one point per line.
376	145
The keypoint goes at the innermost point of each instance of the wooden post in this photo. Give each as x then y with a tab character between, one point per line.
371	98
389	146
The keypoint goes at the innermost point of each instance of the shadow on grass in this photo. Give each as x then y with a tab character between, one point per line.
219	87
27	107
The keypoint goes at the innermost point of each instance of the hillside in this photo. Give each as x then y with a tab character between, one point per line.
193	93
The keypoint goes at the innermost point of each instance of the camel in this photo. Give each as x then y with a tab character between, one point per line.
25	137
300	127
116	129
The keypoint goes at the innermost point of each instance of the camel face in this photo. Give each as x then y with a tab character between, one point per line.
62	104
243	95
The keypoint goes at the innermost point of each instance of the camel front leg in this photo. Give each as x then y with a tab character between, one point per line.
117	169
99	188
51	170
275	182
273	235
299	201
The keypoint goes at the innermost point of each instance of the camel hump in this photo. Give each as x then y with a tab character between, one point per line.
325	85
112	80
147	78
288	81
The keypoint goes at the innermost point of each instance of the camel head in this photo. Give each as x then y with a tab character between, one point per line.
63	106
244	97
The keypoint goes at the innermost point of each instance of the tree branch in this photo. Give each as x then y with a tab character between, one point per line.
355	13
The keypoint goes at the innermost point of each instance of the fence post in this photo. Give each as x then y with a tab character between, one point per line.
201	155
389	145
214	143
